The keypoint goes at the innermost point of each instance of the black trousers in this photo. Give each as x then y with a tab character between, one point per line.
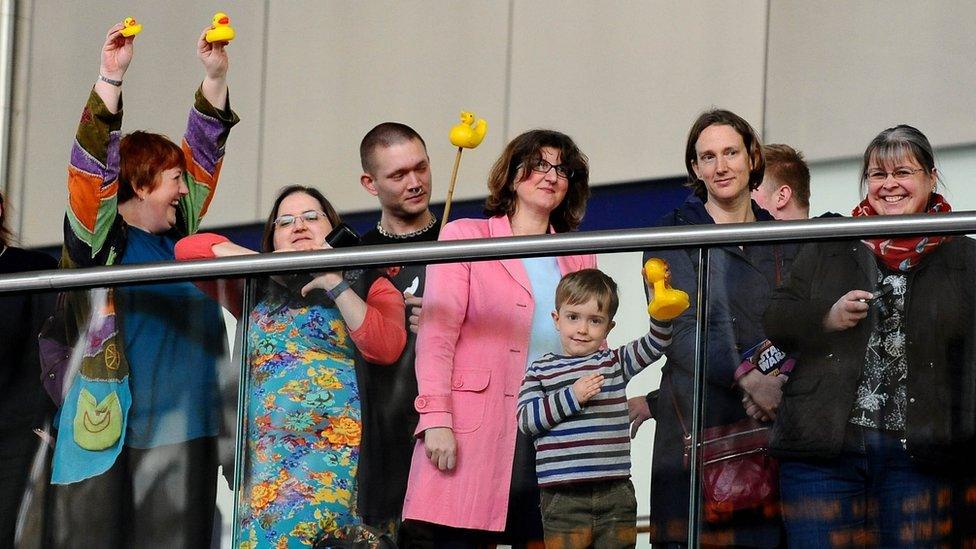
159	497
17	449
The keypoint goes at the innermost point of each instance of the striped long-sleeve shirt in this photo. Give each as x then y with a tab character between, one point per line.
585	442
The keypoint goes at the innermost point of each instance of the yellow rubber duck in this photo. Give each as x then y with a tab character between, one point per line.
131	27
220	29
668	302
468	134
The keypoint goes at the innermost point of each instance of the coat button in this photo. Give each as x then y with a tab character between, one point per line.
421	403
912	400
458	383
51	375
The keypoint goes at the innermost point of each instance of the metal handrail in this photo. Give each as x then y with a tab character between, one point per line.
498	248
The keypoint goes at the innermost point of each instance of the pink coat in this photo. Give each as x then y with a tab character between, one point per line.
471	358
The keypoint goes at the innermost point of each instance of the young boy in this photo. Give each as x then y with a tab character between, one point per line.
576	406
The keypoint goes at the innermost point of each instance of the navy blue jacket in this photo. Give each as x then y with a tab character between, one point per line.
741	282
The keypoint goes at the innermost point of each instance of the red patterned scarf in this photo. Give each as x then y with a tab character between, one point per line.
904	253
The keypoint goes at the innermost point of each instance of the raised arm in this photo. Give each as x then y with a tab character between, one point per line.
207	128
215	62
92	221
641	353
116	56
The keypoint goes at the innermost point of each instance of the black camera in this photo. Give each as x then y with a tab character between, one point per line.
882	299
342	236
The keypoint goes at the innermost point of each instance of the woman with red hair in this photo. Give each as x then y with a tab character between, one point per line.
135	458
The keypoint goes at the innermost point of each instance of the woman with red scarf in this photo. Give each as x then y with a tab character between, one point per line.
882	403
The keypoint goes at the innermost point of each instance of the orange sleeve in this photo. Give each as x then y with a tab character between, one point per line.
383	334
198	246
229	292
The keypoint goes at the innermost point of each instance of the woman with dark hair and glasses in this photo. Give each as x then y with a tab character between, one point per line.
22	400
306	338
723	157
482	324
879	417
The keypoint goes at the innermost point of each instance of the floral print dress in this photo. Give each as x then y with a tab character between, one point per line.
303	426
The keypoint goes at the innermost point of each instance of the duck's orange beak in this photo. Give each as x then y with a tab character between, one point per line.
224	20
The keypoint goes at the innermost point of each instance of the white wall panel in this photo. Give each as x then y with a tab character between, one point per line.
358	64
627	79
840	72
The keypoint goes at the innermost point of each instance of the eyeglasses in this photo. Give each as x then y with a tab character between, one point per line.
541	165
901	174
288	220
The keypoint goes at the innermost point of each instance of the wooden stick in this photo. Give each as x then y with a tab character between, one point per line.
450	189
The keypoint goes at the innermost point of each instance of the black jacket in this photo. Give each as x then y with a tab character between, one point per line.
940	329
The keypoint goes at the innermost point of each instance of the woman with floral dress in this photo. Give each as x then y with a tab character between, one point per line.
303	342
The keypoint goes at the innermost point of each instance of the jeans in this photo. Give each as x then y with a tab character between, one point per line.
874	498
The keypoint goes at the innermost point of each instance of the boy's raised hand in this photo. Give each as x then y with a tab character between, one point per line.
587	387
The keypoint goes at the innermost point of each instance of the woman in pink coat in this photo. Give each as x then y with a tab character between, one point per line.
482	323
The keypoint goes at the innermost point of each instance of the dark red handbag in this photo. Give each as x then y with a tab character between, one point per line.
736	472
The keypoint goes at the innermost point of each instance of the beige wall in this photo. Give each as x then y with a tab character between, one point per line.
840	72
370	63
627	78
624	78
310	78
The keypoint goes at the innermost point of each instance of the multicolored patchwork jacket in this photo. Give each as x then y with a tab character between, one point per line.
92	423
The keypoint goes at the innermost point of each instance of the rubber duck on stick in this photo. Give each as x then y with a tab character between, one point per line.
466	135
220	29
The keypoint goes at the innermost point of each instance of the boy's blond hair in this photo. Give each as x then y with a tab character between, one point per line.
579	287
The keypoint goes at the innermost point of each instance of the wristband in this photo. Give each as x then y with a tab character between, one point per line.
338	289
116	83
744	368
